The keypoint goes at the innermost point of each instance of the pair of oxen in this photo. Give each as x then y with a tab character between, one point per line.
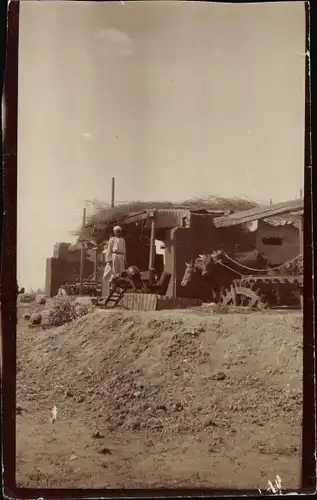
209	275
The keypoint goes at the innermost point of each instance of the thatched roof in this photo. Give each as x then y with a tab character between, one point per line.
103	218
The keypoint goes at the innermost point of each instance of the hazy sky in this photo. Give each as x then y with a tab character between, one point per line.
173	99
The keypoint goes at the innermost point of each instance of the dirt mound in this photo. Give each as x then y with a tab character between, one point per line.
187	398
167	373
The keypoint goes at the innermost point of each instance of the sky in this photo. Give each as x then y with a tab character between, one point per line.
174	99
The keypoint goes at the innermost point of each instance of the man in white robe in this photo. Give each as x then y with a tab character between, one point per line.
115	258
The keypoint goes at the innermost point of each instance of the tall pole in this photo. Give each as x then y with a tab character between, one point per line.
95	264
113	182
82	256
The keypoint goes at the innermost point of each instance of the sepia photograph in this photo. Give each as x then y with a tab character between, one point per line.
160	245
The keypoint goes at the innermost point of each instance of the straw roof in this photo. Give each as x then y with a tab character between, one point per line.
102	219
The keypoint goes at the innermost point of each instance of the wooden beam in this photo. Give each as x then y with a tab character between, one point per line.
297	214
152	247
258	213
136	218
95	263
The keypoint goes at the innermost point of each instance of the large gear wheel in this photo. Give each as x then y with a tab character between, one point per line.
244	296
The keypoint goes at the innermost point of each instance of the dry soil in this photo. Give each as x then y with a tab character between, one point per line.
175	398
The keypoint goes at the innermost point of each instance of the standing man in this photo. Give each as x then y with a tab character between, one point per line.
115	257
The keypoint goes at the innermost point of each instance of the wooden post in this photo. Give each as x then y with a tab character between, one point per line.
95	263
113	182
152	247
82	256
271	201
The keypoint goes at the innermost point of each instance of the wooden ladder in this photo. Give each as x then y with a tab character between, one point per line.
114	298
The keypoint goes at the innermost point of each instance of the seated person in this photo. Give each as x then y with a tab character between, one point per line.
119	280
129	278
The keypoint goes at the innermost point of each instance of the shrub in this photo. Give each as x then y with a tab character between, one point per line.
64	309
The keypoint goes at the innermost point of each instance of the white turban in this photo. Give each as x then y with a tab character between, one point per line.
116	228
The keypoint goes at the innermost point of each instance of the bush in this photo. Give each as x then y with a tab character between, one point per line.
64	309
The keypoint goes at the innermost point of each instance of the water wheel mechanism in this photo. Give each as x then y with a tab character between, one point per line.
243	296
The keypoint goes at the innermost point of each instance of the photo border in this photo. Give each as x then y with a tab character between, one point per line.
9	302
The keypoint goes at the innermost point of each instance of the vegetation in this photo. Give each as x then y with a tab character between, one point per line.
103	217
64	309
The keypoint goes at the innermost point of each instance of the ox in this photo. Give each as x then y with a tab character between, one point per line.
219	270
195	283
251	262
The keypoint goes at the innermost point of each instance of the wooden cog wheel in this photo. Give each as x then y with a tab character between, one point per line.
243	296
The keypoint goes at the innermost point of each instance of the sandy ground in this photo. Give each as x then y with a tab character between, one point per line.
176	399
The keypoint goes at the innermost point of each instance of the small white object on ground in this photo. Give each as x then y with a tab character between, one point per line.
54	414
277	488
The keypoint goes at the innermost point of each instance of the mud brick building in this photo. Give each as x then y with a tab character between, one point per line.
278	239
185	234
64	267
